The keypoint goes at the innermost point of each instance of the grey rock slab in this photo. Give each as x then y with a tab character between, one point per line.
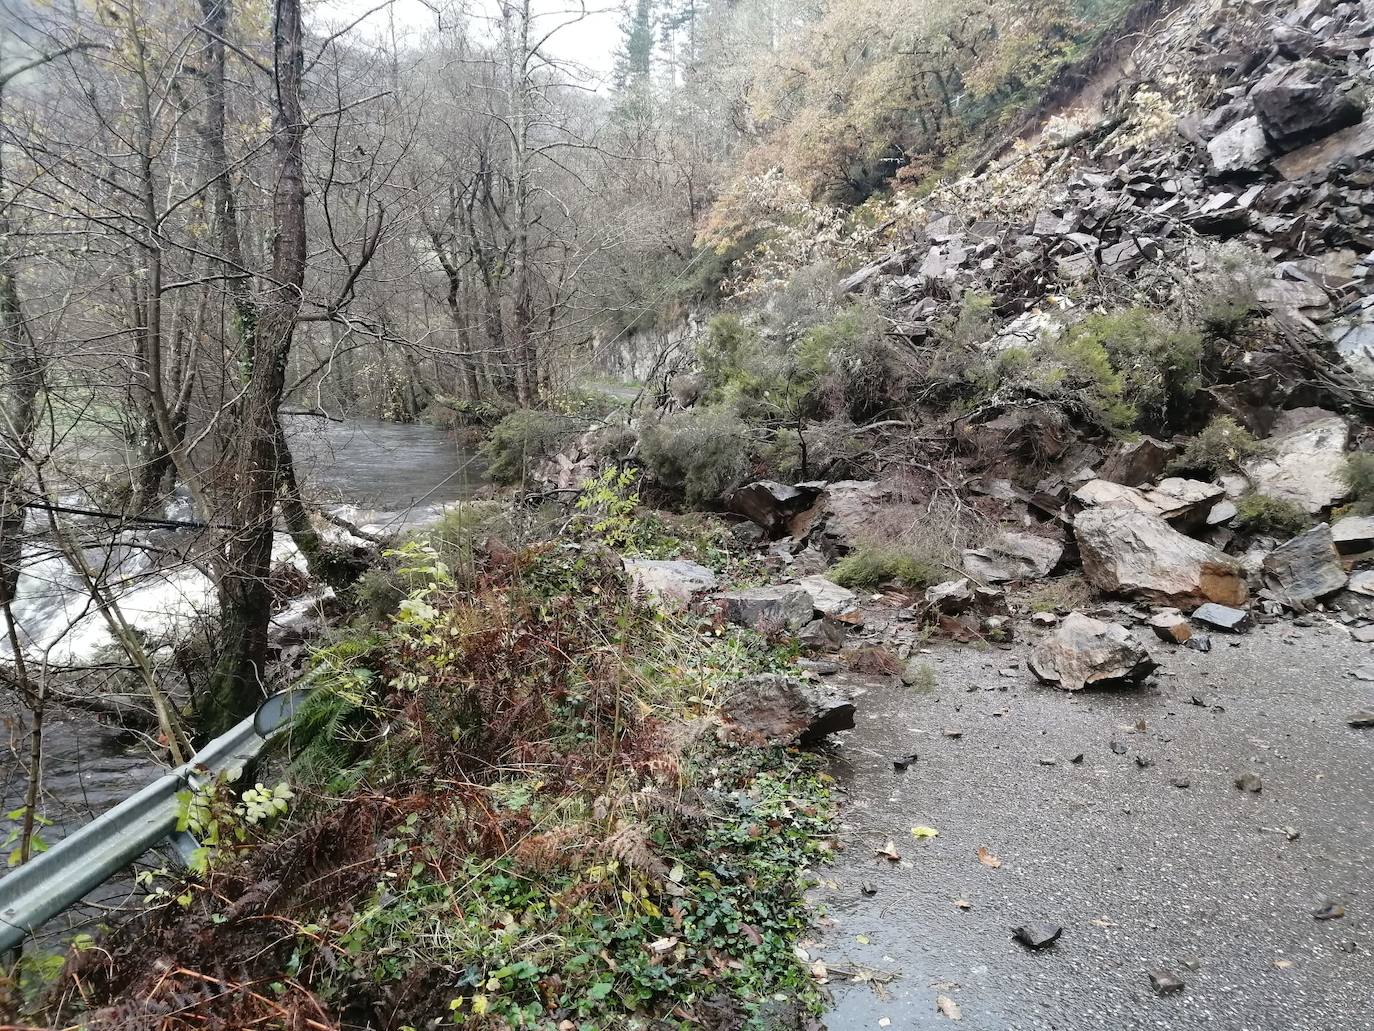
778	709
1222	617
1305	569
1306	464
670	584
1353	535
783	605
1013	556
829	597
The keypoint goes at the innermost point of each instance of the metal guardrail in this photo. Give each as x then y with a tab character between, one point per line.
60	877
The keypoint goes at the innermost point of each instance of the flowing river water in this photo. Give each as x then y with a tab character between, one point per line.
382	476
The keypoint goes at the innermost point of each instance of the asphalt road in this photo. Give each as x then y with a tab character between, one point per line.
1201	881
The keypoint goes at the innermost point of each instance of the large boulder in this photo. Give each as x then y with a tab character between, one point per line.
774	709
670	584
1013	556
1182	501
838	519
1084	651
1125	551
1305	569
771	505
781	606
1307	456
1303	102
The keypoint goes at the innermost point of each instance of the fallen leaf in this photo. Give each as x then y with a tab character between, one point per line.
888	851
963	903
663	945
1283	964
1102	922
987	858
862	939
1330	911
924	832
948	1007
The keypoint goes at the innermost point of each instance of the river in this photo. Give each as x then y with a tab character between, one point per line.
383	476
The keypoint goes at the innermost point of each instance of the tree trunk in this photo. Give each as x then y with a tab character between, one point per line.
245	598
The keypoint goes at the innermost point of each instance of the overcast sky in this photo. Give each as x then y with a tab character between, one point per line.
592	41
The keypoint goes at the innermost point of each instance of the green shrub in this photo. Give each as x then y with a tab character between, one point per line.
1273	517
699	454
1358	474
463	529
871	565
1222	447
1080	375
1131	368
525	438
848	367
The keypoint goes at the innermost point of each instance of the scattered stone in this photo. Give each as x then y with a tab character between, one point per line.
1330	911
777	709
1181	782
1250	783
1117	747
822	635
820	667
1362	583
829	597
904	763
1085	651
953	732
951	597
1131	552
1037	936
868	888
1165	982
670	584
1305	569
1306	462
1363	634
1361	718
1199	643
1222	512
1144	762
1364	673
781	606
1222	617
1172	626
1045	619
1013	556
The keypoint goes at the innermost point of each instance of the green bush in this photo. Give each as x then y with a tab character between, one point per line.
1132	369
848	366
1273	517
525	438
1358	474
1222	447
699	454
871	565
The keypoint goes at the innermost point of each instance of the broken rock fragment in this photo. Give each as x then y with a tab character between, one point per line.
1013	556
1037	936
669	584
1140	462
829	597
1222	617
783	710
1307	460
769	504
1305	569
1131	552
781	606
1172	626
1084	651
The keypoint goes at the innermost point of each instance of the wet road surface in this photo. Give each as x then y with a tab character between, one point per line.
1202	880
